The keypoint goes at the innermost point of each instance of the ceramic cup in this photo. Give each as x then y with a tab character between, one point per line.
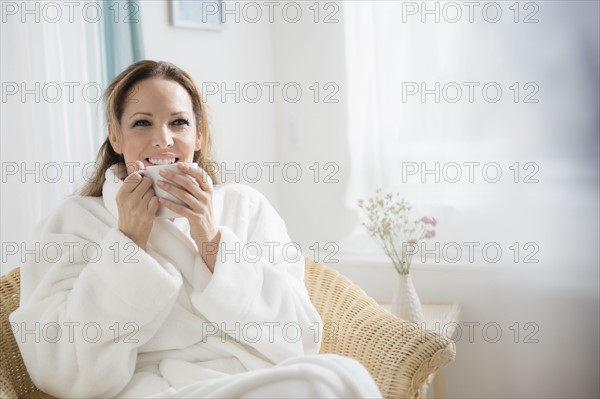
152	172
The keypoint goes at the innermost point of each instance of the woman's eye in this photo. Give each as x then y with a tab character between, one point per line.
181	122
141	122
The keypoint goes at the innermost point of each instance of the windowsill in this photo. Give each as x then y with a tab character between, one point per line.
358	250
341	260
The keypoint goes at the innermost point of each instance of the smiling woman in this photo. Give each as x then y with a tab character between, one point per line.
179	307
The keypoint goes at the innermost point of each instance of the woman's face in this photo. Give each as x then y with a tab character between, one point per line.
157	125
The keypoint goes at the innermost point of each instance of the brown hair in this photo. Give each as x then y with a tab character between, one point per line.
115	97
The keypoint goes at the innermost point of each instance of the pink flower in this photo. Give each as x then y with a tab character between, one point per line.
429	234
429	220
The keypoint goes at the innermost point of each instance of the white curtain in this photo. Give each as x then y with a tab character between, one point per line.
51	117
547	54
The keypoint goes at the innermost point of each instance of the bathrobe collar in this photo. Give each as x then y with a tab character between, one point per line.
114	180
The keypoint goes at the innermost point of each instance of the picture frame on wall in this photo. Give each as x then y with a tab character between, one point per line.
198	14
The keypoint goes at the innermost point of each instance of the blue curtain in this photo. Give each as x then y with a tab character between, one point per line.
121	36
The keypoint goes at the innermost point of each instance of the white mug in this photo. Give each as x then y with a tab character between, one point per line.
152	172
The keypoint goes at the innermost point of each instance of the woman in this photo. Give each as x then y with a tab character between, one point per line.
171	308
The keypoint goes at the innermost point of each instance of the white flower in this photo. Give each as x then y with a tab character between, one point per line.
388	222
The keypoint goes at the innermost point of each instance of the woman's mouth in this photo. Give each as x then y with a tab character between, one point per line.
162	161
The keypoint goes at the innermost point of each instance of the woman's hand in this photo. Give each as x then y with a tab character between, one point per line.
199	213
137	205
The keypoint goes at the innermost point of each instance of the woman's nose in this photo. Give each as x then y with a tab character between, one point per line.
163	137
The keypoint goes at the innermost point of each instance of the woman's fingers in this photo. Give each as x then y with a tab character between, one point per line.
189	191
190	199
146	196
142	189
139	165
199	174
182	180
137	204
177	208
131	182
153	204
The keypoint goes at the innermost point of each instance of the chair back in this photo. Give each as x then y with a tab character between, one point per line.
14	381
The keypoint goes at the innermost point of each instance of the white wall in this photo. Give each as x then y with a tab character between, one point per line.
313	130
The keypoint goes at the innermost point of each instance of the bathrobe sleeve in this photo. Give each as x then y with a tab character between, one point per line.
89	298
257	296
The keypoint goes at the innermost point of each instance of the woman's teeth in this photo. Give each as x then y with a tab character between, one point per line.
161	161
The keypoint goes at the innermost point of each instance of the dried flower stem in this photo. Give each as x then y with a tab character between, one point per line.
388	222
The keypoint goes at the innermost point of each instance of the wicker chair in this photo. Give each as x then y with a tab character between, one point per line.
399	355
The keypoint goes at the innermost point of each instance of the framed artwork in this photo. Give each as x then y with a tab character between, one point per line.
200	14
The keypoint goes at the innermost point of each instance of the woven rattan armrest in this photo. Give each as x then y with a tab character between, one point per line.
399	355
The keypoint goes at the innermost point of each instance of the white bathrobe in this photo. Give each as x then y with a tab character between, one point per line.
100	317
